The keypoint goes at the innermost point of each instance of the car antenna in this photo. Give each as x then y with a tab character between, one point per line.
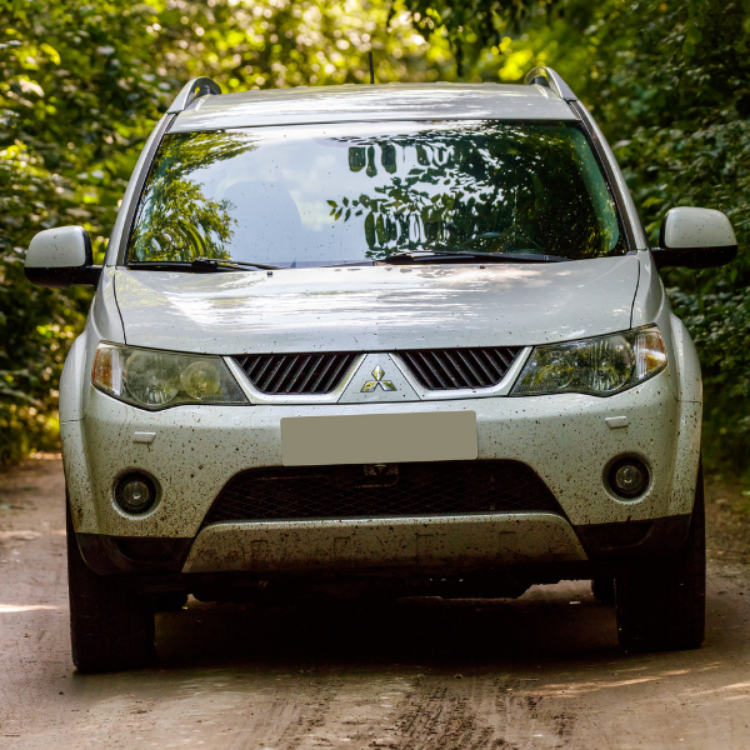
372	70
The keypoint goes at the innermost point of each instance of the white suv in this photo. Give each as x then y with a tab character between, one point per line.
407	338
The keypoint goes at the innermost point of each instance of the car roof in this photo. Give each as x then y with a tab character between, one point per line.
368	103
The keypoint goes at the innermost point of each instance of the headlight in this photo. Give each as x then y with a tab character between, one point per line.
153	379
599	366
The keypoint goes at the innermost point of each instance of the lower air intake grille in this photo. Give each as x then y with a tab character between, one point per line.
447	369
296	374
414	489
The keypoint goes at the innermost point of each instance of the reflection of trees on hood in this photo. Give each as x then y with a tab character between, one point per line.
500	188
176	221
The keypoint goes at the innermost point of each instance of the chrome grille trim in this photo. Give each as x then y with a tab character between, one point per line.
454	369
308	378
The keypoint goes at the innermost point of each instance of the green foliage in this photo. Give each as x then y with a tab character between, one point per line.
82	85
669	83
677	99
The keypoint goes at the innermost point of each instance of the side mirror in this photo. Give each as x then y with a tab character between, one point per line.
695	238
60	258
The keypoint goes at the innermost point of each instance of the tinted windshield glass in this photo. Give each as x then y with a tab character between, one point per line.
313	195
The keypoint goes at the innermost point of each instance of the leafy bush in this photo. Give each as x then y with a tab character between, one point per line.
81	87
669	84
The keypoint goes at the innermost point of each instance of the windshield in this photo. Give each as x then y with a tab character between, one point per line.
323	195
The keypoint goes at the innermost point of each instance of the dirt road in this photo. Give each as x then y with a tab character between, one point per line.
541	672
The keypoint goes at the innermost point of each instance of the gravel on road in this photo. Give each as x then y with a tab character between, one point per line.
543	671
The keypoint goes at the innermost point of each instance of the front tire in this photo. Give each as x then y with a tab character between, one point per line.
111	627
664	609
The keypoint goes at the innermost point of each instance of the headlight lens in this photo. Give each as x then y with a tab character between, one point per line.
599	366
153	379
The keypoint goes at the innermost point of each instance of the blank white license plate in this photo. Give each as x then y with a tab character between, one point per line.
379	438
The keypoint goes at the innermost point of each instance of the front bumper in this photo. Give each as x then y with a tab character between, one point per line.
290	546
566	439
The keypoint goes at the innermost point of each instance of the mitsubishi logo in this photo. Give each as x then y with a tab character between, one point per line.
372	385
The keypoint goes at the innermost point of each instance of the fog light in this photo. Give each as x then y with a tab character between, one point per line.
135	493
628	477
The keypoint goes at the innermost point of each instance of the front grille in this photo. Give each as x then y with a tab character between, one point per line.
415	489
447	369
296	374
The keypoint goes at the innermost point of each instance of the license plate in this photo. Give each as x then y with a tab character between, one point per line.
379	438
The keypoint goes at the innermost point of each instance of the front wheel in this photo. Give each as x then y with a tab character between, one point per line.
664	607
111	627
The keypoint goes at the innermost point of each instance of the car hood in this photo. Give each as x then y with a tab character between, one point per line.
376	308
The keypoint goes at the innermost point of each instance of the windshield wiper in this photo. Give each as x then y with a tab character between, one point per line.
199	265
450	256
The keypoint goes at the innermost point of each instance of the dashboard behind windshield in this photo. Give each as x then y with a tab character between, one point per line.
323	195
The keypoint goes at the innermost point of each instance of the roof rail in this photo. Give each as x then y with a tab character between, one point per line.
545	76
191	91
